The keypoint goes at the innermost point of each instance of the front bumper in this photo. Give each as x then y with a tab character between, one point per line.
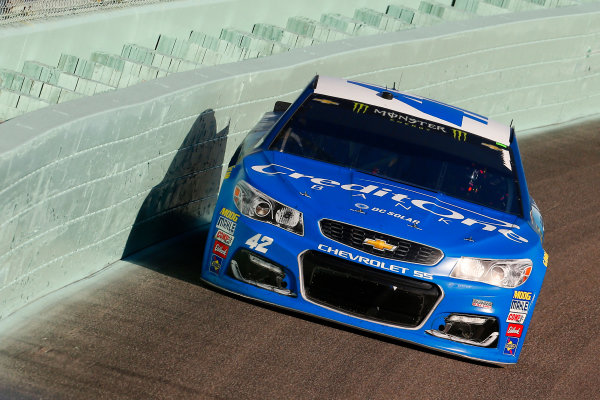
374	310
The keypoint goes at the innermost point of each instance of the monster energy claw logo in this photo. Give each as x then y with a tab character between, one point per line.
360	108
459	135
445	112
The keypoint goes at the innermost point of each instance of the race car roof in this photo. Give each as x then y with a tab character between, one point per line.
417	106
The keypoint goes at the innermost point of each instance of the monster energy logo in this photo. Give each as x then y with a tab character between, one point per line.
459	135
360	108
228	173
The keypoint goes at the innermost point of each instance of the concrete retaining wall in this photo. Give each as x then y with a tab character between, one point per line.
83	182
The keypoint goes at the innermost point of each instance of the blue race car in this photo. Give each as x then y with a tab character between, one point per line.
384	211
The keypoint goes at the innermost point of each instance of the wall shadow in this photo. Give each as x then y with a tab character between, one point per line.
184	200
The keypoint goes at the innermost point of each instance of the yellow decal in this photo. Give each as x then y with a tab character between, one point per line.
325	101
459	135
360	108
215	264
379	244
491	146
545	261
229	214
521	295
228	173
510	346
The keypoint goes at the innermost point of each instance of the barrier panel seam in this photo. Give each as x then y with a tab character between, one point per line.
78	219
94	244
72	221
106	177
490	72
458	56
546	105
57	259
75	220
100	146
164	212
134	136
553	83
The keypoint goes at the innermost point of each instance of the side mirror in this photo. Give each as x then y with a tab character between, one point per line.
281	106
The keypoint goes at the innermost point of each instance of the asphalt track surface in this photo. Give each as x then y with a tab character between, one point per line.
149	329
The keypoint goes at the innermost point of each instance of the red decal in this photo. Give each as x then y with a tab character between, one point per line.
220	249
514	330
224	237
517	318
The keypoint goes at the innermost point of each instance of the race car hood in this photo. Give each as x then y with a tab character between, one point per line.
322	190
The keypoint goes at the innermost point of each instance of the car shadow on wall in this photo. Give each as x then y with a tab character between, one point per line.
182	202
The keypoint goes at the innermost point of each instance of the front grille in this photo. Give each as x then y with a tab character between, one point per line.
406	250
367	293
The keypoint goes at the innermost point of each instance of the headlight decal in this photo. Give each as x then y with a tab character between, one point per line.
254	204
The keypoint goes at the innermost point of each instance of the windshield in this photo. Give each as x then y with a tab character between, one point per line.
403	148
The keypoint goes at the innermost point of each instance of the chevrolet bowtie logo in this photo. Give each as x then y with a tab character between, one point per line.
380	244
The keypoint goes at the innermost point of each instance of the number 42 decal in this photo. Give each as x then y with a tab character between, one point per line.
259	243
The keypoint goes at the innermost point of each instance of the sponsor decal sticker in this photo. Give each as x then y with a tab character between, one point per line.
326	101
405	119
521	302
510	348
445	112
374	263
458	134
482	303
545	260
226	225
521	295
516	318
220	249
229	214
428	126
514	330
519	306
224	237
491	146
228	173
360	108
215	263
390	213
